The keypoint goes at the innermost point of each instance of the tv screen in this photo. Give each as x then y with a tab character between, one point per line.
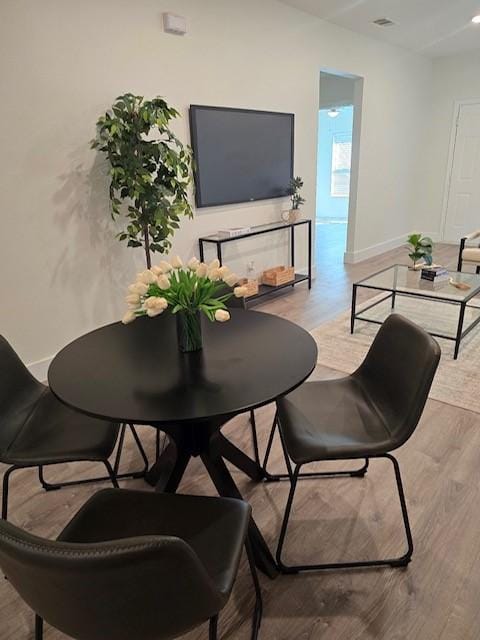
240	155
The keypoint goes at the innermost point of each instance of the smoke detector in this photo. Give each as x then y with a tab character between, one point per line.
177	25
383	22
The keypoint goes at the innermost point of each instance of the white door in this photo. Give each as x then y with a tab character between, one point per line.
463	207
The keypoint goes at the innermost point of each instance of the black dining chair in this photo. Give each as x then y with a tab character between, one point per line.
362	416
133	565
37	430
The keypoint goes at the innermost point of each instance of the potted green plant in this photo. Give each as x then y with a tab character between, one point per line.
297	200
420	248
150	170
187	290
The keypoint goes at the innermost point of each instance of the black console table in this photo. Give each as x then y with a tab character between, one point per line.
263	289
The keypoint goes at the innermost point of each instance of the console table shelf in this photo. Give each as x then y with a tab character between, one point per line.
264	290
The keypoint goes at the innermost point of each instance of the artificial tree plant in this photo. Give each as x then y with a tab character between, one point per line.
150	170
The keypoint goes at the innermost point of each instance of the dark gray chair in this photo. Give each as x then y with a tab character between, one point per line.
365	415
133	565
37	430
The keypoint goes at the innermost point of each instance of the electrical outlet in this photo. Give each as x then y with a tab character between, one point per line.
250	266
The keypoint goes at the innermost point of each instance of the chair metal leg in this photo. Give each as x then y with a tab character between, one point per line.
111	474
258	611
5	487
46	485
38	628
405	559
276	477
401	561
120	476
213	628
6	477
283	530
253	425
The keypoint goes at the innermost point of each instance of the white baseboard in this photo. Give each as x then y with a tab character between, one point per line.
352	257
39	368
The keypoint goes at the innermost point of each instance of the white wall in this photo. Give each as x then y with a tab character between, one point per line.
454	78
62	62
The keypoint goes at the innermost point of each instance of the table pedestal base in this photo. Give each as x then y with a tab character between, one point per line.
205	441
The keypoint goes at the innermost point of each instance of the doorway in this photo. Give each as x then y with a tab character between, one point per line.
338	121
463	191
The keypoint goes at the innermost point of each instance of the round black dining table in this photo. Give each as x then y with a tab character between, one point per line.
136	374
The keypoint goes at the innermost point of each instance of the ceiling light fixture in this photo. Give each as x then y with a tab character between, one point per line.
333	113
476	19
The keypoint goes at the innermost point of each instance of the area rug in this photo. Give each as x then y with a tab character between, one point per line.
457	382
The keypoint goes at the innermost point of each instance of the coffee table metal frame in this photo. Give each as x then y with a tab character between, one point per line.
393	292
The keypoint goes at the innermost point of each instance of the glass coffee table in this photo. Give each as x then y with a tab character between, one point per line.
399	280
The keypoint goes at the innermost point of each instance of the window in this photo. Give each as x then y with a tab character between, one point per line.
341	161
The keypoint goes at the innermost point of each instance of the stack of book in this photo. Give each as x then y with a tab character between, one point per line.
434	274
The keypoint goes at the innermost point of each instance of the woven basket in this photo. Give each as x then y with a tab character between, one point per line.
278	275
251	286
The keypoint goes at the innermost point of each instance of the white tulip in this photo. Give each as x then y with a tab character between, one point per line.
231	280
163	282
221	315
224	272
141	288
177	262
165	266
214	264
133	298
214	274
133	288
147	277
151	313
193	263
240	292
153	304
201	270
157	270
128	317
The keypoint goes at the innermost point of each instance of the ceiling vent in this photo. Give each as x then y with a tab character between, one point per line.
383	22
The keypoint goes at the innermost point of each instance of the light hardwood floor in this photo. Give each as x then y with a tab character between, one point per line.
435	598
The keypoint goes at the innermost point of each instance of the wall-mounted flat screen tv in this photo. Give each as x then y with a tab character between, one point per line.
240	155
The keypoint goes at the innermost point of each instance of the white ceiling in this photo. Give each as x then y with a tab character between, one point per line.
432	27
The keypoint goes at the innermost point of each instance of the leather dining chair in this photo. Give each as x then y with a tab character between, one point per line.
37	430
365	415
133	565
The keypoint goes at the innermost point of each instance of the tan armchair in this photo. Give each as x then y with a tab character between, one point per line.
469	255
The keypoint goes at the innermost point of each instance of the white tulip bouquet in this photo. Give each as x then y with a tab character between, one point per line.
187	290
